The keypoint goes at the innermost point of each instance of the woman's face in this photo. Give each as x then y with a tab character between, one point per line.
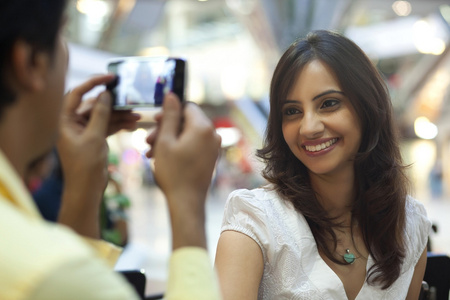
319	123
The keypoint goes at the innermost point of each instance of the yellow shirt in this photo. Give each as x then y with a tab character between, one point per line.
41	260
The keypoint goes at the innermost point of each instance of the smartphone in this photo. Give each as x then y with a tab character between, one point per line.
143	82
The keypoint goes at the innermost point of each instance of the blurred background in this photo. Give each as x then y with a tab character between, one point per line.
232	47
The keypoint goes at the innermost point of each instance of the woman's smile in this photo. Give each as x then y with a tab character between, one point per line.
319	147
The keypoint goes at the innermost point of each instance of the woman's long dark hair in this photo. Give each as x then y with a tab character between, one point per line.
381	185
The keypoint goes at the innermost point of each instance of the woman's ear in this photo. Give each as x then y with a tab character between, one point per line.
29	67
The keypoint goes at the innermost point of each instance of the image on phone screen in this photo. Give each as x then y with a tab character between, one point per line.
143	82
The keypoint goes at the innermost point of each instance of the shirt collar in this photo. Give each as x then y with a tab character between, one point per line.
13	189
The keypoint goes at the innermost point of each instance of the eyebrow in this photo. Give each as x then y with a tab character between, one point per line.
327	92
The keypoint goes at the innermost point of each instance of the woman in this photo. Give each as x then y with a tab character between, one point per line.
335	221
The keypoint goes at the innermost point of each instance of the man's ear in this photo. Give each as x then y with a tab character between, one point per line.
29	66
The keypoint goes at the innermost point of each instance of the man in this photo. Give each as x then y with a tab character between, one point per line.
40	260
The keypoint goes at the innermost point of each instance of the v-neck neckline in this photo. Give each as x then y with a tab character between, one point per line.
336	287
322	265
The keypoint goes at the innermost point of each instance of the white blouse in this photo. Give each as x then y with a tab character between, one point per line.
293	268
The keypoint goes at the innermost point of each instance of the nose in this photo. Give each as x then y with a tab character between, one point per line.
311	126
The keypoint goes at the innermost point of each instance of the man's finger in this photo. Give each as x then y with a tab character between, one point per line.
75	96
194	116
196	121
85	107
170	124
100	115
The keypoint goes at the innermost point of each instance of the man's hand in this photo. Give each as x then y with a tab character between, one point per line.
83	152
185	147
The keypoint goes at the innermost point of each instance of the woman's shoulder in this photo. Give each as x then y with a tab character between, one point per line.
417	227
413	206
258	198
261	192
265	206
268	219
416	214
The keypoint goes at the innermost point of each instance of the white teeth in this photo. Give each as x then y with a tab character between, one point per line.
321	146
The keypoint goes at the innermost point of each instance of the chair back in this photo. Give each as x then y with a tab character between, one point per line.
137	279
424	291
437	275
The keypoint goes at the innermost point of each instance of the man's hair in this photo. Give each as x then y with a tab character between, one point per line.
36	22
381	185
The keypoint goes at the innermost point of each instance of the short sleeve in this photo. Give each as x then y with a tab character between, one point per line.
417	229
245	213
191	276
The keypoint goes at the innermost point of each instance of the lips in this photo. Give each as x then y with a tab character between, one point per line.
320	147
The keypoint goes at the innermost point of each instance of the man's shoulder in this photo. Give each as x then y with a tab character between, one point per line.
32	245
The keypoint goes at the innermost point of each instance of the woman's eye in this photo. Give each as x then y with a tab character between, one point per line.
291	111
329	103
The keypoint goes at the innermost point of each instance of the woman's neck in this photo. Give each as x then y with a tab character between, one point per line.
335	193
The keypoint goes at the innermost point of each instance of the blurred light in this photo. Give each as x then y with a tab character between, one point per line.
402	8
83	6
96	12
230	136
433	46
425	41
425	129
154	51
422	28
429	102
244	7
422	157
93	8
202	0
196	90
138	138
233	81
258	80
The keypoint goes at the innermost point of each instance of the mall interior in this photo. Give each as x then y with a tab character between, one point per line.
231	48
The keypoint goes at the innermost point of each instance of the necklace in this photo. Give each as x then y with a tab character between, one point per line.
349	257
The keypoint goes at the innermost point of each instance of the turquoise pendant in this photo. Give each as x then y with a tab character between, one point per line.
349	257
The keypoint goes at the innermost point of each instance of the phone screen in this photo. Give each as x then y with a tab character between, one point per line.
143	82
